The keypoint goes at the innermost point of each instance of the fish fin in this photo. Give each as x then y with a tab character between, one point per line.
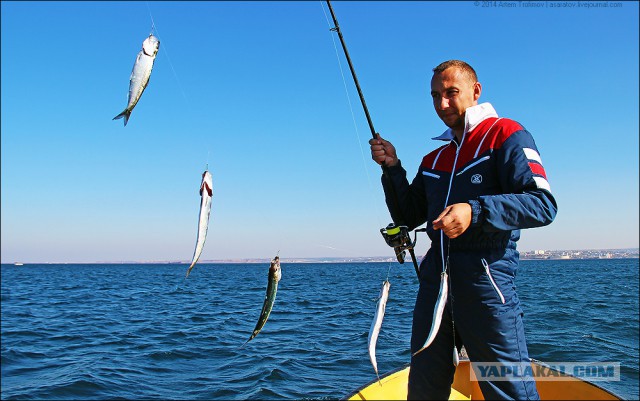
126	113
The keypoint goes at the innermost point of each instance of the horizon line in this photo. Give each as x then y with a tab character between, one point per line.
524	255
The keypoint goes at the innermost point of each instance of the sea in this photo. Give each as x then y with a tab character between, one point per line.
141	331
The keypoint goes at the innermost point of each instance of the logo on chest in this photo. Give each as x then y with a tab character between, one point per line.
476	179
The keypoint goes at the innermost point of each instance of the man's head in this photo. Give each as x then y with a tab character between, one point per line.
454	88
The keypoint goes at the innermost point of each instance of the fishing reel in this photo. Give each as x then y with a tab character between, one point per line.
399	239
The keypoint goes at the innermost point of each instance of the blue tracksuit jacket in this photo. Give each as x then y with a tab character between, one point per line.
498	170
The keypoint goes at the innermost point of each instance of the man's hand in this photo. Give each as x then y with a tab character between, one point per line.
383	152
454	220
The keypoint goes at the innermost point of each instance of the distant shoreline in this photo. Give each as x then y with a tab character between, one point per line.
627	253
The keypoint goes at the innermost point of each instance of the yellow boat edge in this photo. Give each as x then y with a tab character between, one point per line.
393	386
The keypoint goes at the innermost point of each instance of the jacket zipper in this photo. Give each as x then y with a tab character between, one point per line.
446	201
493	283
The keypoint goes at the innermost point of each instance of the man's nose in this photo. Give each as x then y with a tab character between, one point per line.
444	103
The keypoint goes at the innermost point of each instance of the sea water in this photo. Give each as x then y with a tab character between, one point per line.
140	331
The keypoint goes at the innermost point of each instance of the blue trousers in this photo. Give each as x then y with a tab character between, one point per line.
482	313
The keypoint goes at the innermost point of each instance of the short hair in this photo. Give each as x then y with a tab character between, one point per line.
466	68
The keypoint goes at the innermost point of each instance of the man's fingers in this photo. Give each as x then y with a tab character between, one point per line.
439	222
454	220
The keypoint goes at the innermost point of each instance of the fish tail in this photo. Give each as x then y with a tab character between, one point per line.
437	313
126	113
250	338
189	270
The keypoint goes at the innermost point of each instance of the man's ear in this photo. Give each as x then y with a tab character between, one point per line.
477	90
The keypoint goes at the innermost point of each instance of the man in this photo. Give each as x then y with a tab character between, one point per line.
475	193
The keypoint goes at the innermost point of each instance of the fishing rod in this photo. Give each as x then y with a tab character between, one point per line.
336	28
395	235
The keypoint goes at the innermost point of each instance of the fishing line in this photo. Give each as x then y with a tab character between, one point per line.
166	52
393	194
154	27
388	271
374	134
353	118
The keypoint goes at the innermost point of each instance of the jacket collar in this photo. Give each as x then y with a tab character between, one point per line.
473	116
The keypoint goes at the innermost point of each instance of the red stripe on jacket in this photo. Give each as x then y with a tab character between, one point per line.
491	136
537	169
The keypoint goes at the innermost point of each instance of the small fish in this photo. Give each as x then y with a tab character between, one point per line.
437	311
456	357
140	75
275	274
206	192
377	324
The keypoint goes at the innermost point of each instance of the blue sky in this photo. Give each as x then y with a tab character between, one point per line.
254	90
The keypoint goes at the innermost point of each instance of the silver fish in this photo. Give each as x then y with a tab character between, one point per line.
275	274
437	311
377	324
140	75
456	357
206	193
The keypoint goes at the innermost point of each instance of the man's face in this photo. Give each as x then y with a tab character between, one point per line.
453	92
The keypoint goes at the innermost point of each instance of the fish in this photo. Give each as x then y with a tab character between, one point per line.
437	312
377	324
140	75
456	357
206	193
275	274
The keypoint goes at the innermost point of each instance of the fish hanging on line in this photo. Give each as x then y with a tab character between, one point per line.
275	274
437	313
206	193
377	324
140	75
